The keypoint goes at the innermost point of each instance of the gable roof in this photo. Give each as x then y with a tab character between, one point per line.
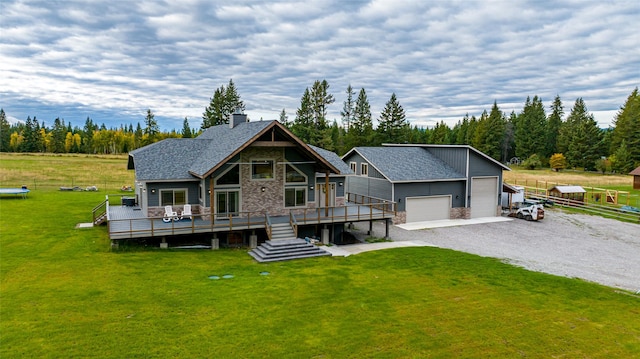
407	164
473	149
569	189
635	172
334	159
185	159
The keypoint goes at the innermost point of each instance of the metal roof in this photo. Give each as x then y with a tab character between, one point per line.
569	189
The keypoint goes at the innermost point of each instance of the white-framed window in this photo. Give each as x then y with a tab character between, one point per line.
293	175
364	169
173	197
230	177
354	167
262	169
295	197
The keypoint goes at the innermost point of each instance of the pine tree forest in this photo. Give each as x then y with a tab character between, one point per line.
559	130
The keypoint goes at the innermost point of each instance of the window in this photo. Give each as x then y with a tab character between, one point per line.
295	197
353	167
173	197
292	175
262	169
364	169
232	176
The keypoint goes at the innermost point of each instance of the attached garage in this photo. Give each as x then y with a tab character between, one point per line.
430	208
484	197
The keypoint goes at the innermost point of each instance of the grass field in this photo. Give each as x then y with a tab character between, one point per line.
64	294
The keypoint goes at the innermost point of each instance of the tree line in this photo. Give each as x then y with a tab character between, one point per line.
531	136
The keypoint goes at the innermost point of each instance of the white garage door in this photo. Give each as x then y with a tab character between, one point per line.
484	197
427	208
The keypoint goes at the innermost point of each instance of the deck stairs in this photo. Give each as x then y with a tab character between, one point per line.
285	246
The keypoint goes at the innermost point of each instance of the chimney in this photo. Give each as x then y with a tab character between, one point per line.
237	117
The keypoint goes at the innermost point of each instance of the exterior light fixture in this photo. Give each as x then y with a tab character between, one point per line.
340	184
311	188
262	189
153	190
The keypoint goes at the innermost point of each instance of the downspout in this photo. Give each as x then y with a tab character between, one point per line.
468	186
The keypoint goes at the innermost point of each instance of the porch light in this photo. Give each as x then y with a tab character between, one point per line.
340	184
311	188
153	190
262	189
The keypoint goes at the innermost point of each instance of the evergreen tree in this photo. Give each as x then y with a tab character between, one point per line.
627	128
59	133
461	129
509	144
348	108
584	137
186	129
471	130
361	132
5	132
392	125
30	136
490	133
530	132
223	103
554	122
441	134
320	99
284	119
622	161
214	113
151	128
303	125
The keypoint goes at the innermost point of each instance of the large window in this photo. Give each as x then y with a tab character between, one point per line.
173	197
292	175
295	197
262	169
232	176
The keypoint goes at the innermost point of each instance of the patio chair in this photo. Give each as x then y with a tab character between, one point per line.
169	214
186	211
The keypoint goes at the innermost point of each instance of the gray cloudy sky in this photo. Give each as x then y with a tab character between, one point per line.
112	60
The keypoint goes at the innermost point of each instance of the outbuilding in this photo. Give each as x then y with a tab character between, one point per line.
636	178
428	182
574	193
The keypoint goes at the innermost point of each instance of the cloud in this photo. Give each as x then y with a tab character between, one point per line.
115	59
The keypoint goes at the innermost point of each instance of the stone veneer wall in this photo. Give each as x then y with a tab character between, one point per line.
400	217
252	197
159	211
460	213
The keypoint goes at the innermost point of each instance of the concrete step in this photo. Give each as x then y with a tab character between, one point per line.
286	249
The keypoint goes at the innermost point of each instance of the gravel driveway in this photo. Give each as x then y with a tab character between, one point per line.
592	248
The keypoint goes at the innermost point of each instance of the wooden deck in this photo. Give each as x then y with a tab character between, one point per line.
130	222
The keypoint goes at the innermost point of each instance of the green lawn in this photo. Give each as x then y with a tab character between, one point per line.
64	293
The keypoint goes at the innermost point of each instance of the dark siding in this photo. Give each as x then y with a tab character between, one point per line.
354	157
453	188
369	187
153	199
454	157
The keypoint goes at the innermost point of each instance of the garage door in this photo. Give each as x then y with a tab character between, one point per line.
427	208
484	197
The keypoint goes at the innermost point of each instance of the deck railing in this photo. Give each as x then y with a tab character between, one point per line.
203	223
293	223
100	213
198	223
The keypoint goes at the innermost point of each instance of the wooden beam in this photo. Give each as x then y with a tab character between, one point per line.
273	144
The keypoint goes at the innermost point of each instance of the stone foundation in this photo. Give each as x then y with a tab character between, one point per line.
460	213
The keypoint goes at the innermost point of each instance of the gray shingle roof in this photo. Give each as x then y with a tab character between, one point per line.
399	164
177	159
334	159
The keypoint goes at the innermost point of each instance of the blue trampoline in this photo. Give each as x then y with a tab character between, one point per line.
17	191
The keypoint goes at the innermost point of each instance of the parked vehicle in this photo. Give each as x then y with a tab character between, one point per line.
531	211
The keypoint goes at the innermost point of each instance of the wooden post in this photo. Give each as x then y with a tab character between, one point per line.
211	199
326	194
